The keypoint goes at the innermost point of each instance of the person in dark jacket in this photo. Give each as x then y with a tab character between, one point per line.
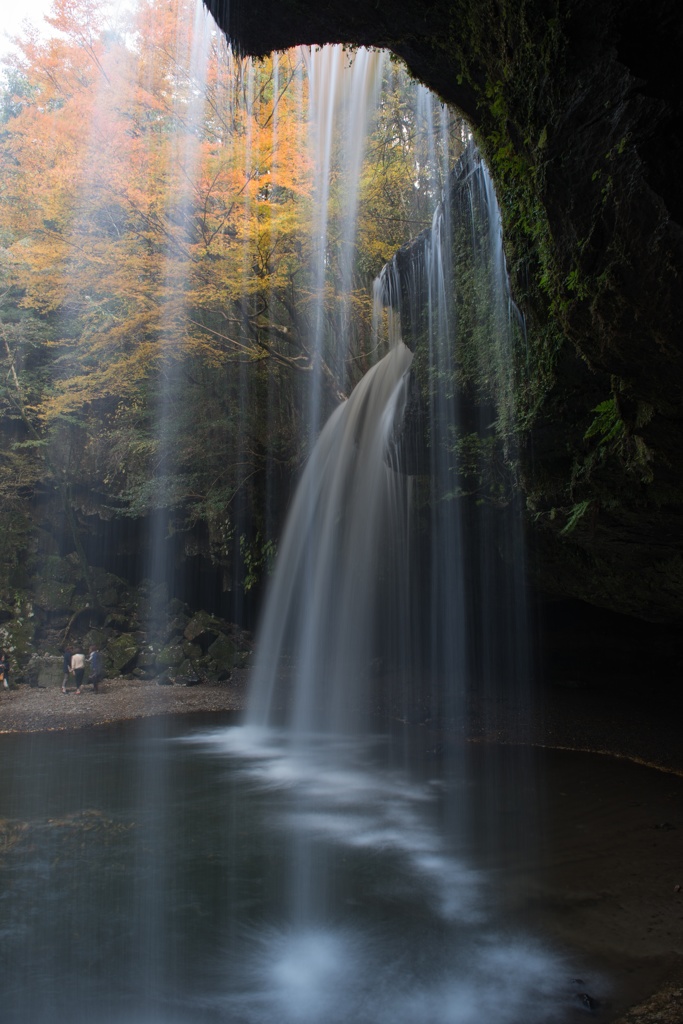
96	662
66	666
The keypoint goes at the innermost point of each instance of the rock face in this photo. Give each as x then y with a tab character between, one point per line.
140	632
577	110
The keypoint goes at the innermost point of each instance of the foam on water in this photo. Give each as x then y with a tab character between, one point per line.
435	952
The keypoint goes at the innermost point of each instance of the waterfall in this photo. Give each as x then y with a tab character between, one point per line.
321	608
358	591
370	605
398	590
449	291
324	602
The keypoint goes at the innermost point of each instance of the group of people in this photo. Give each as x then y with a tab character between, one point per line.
74	664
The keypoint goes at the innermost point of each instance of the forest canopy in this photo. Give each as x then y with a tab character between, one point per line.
179	260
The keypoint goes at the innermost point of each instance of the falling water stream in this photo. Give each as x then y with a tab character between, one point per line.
384	914
343	854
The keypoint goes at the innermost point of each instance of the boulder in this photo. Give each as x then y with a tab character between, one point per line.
170	656
203	629
54	596
110	588
97	637
44	670
121	654
193	653
146	664
186	675
151	604
174	627
223	652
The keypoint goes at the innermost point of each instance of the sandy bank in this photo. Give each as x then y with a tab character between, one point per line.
27	709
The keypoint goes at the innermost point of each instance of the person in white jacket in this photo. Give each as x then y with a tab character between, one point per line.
78	667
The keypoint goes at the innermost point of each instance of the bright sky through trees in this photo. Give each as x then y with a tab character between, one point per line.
13	15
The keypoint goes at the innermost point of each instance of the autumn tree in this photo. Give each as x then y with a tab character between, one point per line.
155	217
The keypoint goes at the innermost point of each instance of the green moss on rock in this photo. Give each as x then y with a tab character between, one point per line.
121	654
223	652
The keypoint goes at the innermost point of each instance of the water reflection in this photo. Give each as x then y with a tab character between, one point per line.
102	922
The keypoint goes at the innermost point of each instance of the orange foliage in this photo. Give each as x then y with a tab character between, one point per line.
151	185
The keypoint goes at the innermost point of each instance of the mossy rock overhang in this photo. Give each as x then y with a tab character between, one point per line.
577	108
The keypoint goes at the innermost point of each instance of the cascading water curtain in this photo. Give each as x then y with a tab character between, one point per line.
454	303
471	635
344	90
319	623
380	909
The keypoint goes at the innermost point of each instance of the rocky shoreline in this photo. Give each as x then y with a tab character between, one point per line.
41	709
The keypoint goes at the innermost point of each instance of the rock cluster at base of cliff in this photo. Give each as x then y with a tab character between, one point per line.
138	629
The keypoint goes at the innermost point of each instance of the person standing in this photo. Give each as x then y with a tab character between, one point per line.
4	668
77	667
66	664
96	662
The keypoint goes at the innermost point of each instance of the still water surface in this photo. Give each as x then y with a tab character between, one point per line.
166	873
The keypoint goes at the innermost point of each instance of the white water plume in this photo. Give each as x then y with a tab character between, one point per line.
334	791
416	937
338	976
320	609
